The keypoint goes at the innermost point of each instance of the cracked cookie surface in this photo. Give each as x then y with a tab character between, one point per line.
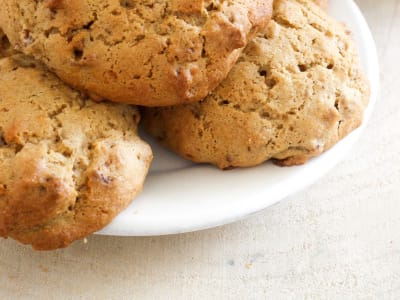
297	89
69	165
140	52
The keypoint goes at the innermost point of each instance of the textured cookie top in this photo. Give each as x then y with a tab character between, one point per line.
296	90
140	52
68	165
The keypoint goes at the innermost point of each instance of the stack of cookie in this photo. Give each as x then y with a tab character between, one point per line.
231	83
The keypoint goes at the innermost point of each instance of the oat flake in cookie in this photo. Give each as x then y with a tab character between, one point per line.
296	90
141	52
68	165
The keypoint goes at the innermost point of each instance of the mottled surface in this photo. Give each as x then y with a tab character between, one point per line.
140	52
340	239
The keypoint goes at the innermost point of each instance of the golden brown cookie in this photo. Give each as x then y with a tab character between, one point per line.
140	52
68	165
296	90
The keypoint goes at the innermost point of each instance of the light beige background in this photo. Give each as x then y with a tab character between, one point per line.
338	239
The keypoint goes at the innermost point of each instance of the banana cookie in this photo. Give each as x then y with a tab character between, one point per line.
68	165
297	89
143	52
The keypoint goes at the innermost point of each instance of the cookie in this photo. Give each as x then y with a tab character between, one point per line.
69	165
297	89
140	52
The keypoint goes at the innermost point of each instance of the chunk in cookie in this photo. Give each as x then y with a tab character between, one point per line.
5	46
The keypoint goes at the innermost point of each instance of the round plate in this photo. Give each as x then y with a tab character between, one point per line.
179	196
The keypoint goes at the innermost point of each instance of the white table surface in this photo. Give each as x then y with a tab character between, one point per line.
339	239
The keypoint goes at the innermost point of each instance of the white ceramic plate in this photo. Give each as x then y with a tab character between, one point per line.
180	197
